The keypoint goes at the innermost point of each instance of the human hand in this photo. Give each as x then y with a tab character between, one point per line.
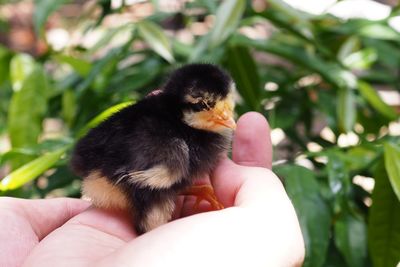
24	223
258	228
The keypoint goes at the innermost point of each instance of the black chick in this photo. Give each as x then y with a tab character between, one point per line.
143	156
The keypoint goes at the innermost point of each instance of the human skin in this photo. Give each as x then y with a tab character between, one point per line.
258	227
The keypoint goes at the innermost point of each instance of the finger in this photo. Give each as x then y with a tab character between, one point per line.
252	141
251	147
111	222
91	235
226	181
45	215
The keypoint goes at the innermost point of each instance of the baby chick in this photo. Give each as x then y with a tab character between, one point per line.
146	154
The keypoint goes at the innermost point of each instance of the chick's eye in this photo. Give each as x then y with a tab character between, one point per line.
200	106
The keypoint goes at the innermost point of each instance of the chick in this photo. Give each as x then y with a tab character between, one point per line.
144	156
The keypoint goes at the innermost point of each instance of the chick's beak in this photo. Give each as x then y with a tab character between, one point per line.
226	121
222	114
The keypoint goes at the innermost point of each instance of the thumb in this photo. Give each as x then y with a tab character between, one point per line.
236	185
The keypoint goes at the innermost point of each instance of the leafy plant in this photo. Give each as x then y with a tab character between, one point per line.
326	77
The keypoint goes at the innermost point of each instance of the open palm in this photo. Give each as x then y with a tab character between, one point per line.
258	227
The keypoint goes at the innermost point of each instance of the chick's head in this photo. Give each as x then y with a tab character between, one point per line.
205	93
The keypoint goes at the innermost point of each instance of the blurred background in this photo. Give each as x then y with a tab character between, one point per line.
326	75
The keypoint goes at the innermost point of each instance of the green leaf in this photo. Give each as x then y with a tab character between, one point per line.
351	239
331	72
362	59
200	49
35	150
137	76
283	16
334	258
384	222
69	106
228	16
359	157
42	11
31	170
156	39
103	68
379	31
348	47
112	33
102	116
296	16
312	211
21	66
346	109
375	100
387	51
61	178
81	66
337	174
338	178
244	71
5	56
28	105
392	165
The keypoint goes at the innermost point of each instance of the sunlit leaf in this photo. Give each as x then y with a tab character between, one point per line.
373	98
156	39
362	59
31	170
228	16
80	65
348	47
35	150
21	66
110	34
28	104
384	222
294	14
303	189
102	116
392	165
379	31
294	21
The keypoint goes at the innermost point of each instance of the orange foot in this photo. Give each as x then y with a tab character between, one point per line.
203	192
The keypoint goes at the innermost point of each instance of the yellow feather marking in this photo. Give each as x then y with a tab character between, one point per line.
158	215
102	193
157	177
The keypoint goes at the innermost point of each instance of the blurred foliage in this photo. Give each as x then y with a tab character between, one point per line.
326	74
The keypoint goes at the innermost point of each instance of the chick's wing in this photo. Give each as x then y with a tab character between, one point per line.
144	151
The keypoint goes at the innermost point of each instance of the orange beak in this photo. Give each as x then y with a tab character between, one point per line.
222	114
228	122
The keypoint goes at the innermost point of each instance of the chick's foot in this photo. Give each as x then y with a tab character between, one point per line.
203	192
